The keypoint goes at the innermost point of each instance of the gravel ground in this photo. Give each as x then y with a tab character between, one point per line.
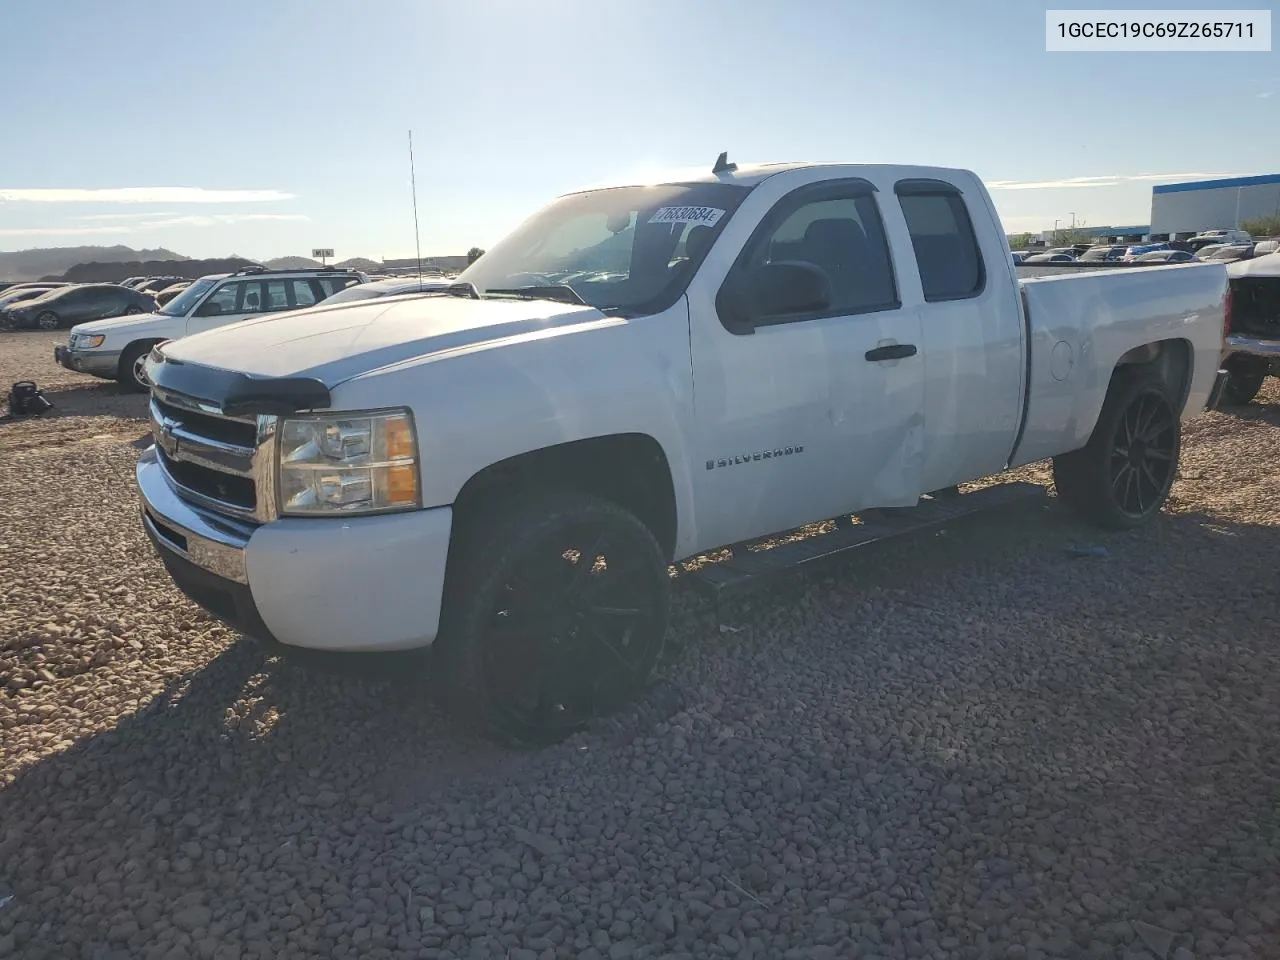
970	745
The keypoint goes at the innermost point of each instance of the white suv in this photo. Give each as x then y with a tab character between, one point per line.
115	349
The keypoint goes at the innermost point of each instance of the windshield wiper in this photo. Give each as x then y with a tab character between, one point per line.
561	292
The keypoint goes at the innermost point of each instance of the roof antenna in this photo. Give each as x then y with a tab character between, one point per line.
723	165
413	180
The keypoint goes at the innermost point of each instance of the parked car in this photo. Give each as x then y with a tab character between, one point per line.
1106	253
1220	236
115	349
79	303
529	437
156	284
1252	350
1050	258
171	291
1136	250
1165	256
1206	253
389	287
1263	247
1230	252
25	291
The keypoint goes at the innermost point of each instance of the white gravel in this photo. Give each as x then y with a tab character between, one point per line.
969	746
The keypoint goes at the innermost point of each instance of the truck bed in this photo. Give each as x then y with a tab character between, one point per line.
1079	326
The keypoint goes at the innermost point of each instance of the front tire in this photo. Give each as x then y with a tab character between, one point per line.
48	320
1246	375
130	375
555	612
1122	477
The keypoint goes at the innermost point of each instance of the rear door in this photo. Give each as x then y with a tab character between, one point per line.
809	415
958	281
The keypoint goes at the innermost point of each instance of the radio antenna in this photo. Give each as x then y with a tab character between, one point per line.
413	182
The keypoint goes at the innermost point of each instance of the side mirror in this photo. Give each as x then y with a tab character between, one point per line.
209	309
777	290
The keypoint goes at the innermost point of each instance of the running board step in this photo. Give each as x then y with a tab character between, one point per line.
750	568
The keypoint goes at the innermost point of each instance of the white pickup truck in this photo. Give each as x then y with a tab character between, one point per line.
504	470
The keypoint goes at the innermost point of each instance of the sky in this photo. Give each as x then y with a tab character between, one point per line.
270	128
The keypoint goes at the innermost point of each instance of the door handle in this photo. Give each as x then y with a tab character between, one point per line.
895	351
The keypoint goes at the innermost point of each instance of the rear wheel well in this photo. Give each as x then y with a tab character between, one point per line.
1170	360
628	469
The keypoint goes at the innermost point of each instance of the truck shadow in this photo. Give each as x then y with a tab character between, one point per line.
281	757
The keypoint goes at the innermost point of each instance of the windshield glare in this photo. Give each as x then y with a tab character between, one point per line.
181	305
628	249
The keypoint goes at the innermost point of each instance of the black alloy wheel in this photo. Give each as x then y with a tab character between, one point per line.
1144	454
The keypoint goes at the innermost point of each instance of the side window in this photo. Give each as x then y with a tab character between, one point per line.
942	236
839	231
277	297
332	285
227	297
304	295
252	301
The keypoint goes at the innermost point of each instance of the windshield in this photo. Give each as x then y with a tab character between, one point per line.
631	250
181	305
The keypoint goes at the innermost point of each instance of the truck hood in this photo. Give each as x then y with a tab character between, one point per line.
336	343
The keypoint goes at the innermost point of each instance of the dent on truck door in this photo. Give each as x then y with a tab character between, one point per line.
809	411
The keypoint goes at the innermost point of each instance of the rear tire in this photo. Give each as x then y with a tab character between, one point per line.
1245	380
48	321
129	374
1122	477
535	642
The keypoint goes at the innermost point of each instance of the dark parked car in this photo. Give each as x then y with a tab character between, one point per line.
156	284
168	293
79	304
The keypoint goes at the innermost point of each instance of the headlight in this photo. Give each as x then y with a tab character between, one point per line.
85	341
352	463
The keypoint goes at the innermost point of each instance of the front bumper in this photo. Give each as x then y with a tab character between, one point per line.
99	363
358	584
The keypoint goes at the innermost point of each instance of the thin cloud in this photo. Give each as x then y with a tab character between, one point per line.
1269	93
1113	180
140	195
132	224
125	216
60	231
216	219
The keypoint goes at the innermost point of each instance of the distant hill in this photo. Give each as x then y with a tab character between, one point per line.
115	272
292	263
35	264
363	264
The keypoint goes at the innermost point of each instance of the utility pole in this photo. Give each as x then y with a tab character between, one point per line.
1055	232
1073	221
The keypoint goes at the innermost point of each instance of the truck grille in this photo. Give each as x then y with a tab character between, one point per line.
214	461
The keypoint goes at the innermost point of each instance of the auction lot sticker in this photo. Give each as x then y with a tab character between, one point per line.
1140	31
704	216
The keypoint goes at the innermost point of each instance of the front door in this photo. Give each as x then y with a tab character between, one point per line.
234	300
816	413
